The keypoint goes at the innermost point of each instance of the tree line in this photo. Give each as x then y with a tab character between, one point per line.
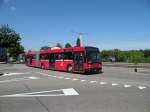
133	56
59	45
10	41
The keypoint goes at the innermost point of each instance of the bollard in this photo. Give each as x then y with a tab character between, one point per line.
135	67
1	73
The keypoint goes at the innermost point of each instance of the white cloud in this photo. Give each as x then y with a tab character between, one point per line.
10	4
12	8
6	1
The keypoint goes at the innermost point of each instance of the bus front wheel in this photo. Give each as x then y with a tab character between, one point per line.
69	68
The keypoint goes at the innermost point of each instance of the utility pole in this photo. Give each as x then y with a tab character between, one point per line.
80	36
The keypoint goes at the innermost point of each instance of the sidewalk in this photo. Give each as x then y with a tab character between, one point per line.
127	65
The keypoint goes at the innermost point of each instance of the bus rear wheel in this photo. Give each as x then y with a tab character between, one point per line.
69	68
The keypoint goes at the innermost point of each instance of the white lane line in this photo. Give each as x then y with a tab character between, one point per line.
67	78
44	74
93	81
60	77
74	79
82	80
114	84
53	76
66	92
33	77
103	83
142	87
11	74
20	79
127	85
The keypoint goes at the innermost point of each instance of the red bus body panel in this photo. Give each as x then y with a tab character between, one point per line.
33	63
78	49
62	64
45	64
29	54
92	66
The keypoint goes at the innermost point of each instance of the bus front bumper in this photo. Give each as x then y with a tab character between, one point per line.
93	70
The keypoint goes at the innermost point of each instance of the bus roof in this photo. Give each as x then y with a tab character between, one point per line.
62	50
30	52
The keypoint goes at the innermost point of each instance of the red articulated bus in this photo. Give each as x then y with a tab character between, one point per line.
30	58
82	59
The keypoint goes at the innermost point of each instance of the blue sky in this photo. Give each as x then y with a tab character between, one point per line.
108	24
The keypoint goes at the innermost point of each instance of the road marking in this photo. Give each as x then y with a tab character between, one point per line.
19	79
142	87
126	85
54	76
70	91
93	81
103	83
66	92
60	77
67	78
83	80
114	84
33	77
43	74
11	74
75	79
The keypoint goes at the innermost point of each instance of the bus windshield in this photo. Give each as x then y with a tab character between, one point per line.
93	57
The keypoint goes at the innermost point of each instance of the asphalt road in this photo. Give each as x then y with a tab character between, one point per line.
26	89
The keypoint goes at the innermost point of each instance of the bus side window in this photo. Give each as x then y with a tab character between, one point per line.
52	59
76	57
61	56
56	56
46	56
68	55
41	56
33	57
81	57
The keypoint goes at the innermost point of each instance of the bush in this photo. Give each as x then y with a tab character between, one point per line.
140	60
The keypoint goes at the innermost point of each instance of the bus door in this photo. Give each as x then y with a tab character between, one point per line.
30	60
78	61
52	61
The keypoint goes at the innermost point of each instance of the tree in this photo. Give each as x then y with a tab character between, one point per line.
146	52
105	54
8	37
44	47
122	57
68	45
135	56
78	42
10	40
16	50
117	54
58	45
